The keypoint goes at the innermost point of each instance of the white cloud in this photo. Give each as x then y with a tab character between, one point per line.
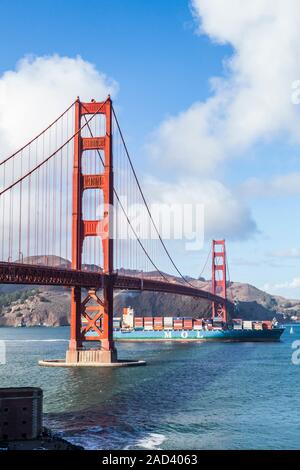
31	96
289	253
245	262
253	102
189	141
39	89
224	215
293	284
283	186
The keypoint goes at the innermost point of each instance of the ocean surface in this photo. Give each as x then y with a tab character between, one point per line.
189	396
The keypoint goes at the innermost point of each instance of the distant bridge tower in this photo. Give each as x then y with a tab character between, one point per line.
219	278
97	313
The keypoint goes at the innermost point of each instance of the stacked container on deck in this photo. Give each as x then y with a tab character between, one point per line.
218	323
198	324
117	323
138	323
148	323
168	323
187	323
237	324
178	323
247	325
158	323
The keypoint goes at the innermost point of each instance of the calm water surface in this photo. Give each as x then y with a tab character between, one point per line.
189	396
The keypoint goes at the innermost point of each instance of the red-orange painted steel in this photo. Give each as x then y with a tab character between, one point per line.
75	319
93	143
107	238
102	322
93	181
18	273
219	278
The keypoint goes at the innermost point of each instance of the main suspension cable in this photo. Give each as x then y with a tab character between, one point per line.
146	204
205	263
39	135
126	215
54	153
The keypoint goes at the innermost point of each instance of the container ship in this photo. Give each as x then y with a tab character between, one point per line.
132	328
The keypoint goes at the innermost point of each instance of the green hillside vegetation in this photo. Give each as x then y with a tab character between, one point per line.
7	298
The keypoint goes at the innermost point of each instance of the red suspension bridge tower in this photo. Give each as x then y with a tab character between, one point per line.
219	278
39	226
97	312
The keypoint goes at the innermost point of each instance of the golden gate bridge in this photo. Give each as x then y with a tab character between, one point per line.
69	200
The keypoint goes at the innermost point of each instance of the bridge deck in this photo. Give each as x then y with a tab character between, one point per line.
18	273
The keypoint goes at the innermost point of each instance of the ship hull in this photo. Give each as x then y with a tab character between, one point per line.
273	334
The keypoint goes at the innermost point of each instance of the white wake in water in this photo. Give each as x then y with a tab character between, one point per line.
150	442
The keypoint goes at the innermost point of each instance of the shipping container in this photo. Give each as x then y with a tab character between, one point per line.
158	323
117	323
168	323
198	324
267	325
217	320
237	326
218	324
247	325
148	323
257	326
138	322
178	323
187	323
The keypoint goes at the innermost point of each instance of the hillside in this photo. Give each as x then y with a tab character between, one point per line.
51	305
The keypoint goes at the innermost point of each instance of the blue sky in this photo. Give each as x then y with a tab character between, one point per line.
163	66
147	46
